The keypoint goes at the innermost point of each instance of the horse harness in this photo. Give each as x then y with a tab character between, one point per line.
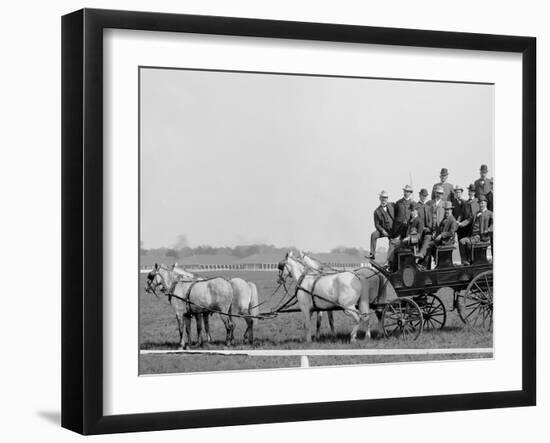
317	278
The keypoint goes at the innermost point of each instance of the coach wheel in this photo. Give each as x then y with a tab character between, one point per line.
434	313
475	305
402	318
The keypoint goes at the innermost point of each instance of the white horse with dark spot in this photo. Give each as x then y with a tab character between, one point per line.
353	292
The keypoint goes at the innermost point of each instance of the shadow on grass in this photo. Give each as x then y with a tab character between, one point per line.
339	337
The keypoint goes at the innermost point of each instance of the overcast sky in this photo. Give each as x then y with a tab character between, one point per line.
238	158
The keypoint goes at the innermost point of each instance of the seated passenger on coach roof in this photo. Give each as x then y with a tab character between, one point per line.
415	227
383	222
447	187
461	212
482	228
444	235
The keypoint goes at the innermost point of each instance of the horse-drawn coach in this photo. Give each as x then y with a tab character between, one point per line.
417	306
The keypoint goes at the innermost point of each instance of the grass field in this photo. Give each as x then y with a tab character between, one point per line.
158	330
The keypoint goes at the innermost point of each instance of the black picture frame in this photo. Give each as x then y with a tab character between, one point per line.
82	220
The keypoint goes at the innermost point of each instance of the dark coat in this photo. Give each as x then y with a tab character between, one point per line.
447	229
473	209
402	209
415	226
489	196
460	209
483	225
482	187
447	191
425	214
437	212
383	220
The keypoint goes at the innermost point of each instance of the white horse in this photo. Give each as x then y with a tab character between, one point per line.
347	290
197	297
202	320
245	302
318	266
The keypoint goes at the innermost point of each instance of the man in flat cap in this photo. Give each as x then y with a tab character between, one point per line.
482	185
482	229
447	187
383	222
444	233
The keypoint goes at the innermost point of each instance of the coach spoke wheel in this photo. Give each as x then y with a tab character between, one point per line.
402	318
433	311
475	305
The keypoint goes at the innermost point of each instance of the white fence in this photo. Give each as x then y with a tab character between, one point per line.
255	267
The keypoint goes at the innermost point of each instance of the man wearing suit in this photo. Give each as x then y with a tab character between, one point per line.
482	229
383	222
473	208
402	209
447	187
482	185
444	234
436	214
415	227
423	208
489	195
461	212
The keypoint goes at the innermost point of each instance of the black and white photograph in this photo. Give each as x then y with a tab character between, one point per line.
303	220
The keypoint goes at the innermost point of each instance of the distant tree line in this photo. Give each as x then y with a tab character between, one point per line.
240	251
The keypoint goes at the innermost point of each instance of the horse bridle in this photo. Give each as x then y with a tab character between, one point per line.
149	286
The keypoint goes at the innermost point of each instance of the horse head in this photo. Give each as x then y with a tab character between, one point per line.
289	267
159	278
153	281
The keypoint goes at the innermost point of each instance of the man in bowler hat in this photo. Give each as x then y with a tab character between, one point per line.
482	185
447	187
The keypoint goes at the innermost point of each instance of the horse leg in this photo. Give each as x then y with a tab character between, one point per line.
331	321
249	333
353	313
198	320
228	323
306	310
364	318
187	323
206	319
180	327
319	320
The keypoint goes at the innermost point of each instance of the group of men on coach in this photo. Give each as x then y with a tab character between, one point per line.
435	222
